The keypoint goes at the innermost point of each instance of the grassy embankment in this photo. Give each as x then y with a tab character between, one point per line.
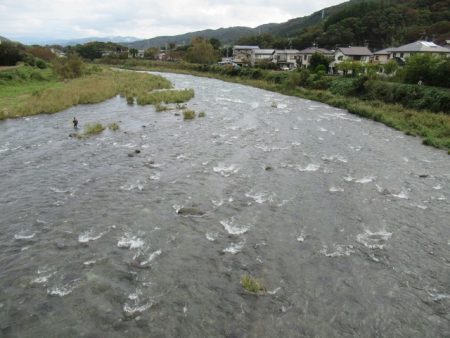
26	91
432	126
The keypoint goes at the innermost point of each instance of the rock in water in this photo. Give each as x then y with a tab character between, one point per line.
190	212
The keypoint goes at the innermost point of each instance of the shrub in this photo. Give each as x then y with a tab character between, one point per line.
93	129
70	67
130	100
201	114
160	107
252	285
188	114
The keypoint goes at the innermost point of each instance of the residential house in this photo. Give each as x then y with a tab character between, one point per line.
418	47
261	55
287	58
306	54
243	54
382	56
361	54
140	53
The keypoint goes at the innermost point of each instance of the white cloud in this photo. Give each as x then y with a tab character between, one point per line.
58	19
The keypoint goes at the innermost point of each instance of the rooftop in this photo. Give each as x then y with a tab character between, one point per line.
359	51
421	46
245	47
312	50
264	51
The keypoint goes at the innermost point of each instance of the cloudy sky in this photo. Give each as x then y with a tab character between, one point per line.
27	20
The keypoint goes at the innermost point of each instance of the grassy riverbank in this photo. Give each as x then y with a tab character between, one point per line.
26	91
433	127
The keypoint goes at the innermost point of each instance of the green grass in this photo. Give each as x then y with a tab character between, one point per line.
23	96
252	284
188	114
91	129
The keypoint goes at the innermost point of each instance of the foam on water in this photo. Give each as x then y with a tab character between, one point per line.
338	158
437	187
339	250
234	248
211	236
226	171
374	240
89	236
234	229
24	235
136	305
152	256
336	189
402	194
309	168
259	197
365	179
130	242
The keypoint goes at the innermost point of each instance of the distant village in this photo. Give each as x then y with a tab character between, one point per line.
289	59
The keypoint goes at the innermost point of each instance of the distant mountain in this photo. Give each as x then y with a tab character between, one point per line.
115	39
232	34
377	23
4	39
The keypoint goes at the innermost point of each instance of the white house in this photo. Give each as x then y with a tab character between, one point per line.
361	54
306	54
382	56
418	47
243	54
287	58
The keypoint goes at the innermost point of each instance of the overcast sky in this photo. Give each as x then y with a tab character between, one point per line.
64	19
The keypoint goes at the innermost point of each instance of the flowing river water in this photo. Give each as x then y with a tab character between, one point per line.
346	222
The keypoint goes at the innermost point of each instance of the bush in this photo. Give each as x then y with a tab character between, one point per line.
432	70
252	285
93	129
412	96
201	114
70	67
188	114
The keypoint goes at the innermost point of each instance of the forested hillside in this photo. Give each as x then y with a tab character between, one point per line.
378	23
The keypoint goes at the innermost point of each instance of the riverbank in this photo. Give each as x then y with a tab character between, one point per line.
433	127
27	91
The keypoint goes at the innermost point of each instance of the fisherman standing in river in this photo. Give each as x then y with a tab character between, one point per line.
75	123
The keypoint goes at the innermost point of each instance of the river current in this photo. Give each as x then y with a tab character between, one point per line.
344	220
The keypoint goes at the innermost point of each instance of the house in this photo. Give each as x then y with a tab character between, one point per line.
287	58
243	54
446	44
382	56
306	54
261	55
418	47
361	54
140	53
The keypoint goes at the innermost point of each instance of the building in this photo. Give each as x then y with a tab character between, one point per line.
306	54
289	58
360	54
418	47
261	55
243	54
382	56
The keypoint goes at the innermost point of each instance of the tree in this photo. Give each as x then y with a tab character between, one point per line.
133	52
151	53
70	67
201	51
42	53
318	59
390	67
10	53
215	43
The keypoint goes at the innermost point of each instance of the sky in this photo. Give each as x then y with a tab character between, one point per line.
40	20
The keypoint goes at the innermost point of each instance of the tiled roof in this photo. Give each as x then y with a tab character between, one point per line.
312	50
421	46
359	51
245	47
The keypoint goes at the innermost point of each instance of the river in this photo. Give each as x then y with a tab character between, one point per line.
344	220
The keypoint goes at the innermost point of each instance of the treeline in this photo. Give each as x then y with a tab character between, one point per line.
378	23
11	53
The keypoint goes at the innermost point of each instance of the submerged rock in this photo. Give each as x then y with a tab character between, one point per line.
130	154
268	168
190	212
137	151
